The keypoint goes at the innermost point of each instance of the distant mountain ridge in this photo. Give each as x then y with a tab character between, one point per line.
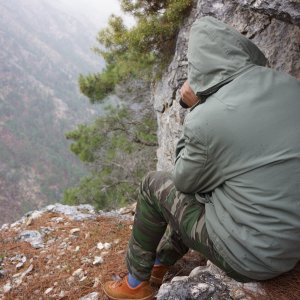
43	50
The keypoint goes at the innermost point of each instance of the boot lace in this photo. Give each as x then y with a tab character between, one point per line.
119	279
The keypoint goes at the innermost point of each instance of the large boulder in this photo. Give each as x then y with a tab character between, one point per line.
208	283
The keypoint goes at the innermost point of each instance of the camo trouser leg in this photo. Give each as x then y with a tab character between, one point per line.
167	223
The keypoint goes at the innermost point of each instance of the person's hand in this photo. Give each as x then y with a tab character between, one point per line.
187	95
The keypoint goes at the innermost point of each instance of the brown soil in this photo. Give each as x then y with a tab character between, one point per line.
46	274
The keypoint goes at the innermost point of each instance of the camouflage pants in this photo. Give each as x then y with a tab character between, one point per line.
167	223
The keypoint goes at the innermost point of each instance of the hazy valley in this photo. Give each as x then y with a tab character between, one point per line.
43	51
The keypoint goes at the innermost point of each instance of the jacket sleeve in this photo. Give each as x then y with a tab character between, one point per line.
194	170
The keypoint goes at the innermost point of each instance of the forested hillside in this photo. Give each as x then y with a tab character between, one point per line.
43	51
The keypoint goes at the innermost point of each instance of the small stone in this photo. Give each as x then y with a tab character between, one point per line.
19	265
50	207
70	280
63	245
48	291
7	287
5	226
96	282
35	214
98	260
107	246
46	230
57	219
91	296
2	273
22	261
17	257
77	249
62	294
86	260
78	273
117	241
33	237
130	227
30	268
29	222
18	281
100	246
83	278
14	225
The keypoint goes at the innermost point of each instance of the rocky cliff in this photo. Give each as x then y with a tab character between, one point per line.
274	25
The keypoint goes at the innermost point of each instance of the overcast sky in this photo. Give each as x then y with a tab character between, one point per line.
97	11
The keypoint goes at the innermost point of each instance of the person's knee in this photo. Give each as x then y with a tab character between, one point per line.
153	180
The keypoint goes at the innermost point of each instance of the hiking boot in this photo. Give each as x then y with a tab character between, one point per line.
158	273
120	290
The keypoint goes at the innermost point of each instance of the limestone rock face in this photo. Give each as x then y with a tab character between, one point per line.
287	11
274	25
208	283
202	286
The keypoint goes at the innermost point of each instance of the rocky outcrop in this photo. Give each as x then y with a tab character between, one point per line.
272	24
208	283
287	11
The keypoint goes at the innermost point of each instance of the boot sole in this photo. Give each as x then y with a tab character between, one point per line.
151	297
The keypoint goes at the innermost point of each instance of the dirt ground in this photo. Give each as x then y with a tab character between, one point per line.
64	253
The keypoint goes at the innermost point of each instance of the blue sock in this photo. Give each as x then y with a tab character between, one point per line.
132	281
157	262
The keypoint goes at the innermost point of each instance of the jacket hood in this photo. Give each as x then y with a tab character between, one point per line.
217	54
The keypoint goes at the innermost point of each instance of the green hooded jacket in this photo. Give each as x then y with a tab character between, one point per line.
240	150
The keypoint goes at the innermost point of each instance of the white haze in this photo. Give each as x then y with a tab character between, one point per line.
96	11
